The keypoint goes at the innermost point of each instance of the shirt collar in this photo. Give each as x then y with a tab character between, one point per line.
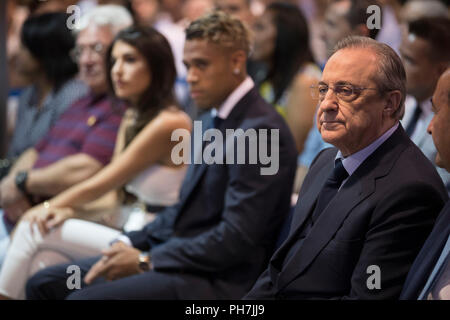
353	161
231	101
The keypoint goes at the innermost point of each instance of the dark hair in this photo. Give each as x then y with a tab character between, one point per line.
291	46
357	14
155	48
49	40
436	31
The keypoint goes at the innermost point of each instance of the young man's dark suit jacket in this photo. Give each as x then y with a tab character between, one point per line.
428	256
381	216
228	216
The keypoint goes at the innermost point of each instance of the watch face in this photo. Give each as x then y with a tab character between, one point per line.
21	184
144	262
21	178
144	266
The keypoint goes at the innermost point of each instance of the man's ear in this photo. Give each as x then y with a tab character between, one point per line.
238	61
392	103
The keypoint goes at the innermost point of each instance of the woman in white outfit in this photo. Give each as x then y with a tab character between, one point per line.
142	72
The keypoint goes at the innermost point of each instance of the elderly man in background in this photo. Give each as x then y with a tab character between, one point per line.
82	140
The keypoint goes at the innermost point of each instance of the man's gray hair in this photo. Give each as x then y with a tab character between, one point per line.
113	16
391	74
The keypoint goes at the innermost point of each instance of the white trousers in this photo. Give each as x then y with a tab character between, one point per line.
29	252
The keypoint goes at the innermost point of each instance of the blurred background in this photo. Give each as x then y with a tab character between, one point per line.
172	16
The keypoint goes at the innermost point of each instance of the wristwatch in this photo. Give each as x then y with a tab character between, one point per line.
144	261
21	181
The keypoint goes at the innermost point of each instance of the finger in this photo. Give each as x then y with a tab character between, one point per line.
45	219
32	221
95	271
54	222
112	270
41	226
109	252
57	219
112	251
112	274
34	227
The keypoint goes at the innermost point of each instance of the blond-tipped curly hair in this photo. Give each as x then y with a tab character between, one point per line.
222	29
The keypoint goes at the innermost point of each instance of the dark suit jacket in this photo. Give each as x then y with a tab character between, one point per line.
225	224
381	216
428	256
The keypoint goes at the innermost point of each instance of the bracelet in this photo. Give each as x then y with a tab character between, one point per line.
46	205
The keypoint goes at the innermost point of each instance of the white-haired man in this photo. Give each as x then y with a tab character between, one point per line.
82	140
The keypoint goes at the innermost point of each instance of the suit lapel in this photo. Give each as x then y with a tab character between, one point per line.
428	256
302	209
350	195
307	201
196	171
358	187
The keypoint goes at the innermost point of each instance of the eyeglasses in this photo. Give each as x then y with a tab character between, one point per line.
345	92
97	49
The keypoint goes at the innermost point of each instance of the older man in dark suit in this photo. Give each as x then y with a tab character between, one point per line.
215	242
367	205
429	277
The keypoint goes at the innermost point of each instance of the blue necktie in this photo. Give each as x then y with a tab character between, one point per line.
329	190
216	122
331	187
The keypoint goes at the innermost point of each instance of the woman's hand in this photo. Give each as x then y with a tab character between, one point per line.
47	217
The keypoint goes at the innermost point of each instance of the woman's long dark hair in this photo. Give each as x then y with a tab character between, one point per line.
291	47
49	40
155	48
